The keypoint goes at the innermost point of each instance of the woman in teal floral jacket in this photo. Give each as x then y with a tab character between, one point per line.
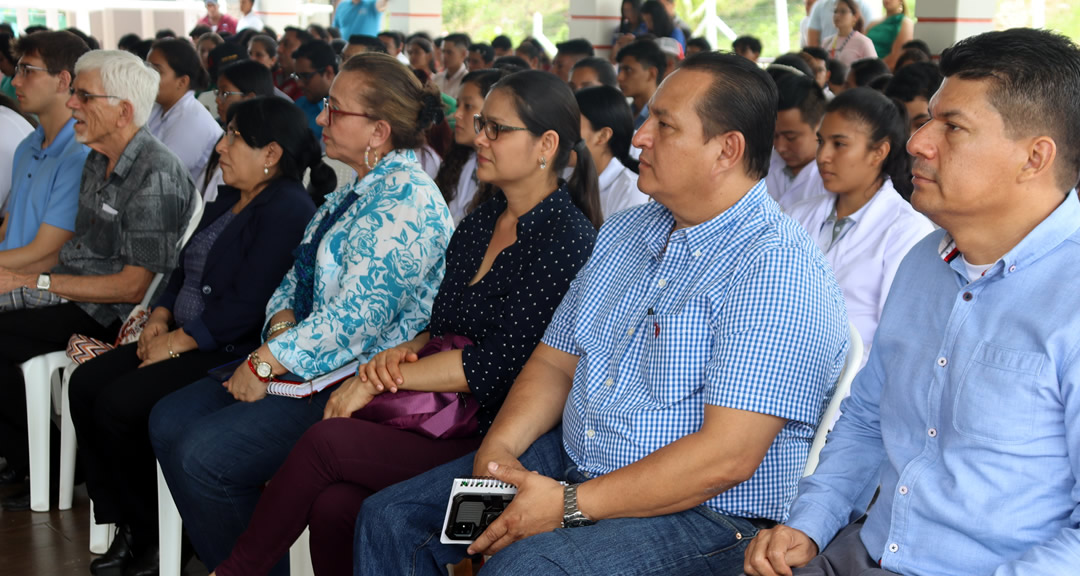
365	277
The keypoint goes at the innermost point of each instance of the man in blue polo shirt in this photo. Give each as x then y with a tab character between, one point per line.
359	17
679	384
40	214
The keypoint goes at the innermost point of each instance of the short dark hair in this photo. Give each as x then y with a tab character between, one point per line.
487	53
164	33
919	80
838	71
199	30
699	43
746	43
35	29
742	98
184	61
90	40
793	60
648	54
529	49
510	63
867	70
397	37
319	32
605	72
249	77
128	42
334	32
372	43
1034	79
302	35
920	45
320	54
462	40
59	50
801	92
911	56
817	52
577	47
502	42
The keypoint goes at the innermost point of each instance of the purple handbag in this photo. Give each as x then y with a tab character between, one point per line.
439	415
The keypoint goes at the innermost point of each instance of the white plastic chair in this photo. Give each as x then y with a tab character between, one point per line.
170	527
843	386
46	388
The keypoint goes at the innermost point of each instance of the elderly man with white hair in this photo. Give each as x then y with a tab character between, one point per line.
135	200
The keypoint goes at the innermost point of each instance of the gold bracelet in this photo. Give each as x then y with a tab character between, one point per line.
168	344
277	326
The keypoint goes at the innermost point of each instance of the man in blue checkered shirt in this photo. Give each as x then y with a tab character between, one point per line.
689	365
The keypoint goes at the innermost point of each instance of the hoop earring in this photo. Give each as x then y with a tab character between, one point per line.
543	163
367	160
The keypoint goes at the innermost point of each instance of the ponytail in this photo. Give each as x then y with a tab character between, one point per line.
887	121
584	185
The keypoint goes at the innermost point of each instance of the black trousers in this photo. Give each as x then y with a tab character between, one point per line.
111	398
23	335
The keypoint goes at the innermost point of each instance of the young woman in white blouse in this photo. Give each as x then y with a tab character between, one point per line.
457	174
178	120
607	125
863	224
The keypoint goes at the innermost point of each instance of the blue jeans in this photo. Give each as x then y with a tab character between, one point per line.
398	529
217	453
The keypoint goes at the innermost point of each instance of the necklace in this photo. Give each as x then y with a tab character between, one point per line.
846	40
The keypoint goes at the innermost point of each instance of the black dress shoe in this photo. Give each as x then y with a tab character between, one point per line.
12	476
18	501
117	556
145	564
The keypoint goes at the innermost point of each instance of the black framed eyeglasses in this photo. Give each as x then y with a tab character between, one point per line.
85	96
222	94
490	128
24	69
302	76
331	111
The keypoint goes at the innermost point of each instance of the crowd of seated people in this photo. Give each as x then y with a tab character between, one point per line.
628	279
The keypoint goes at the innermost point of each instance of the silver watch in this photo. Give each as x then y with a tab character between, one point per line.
572	515
44	281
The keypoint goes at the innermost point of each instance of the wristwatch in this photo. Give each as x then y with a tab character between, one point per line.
44	281
572	515
263	371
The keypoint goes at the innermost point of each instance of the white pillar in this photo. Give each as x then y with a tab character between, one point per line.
278	14
942	23
411	16
595	21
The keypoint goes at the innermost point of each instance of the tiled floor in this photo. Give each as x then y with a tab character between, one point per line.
54	543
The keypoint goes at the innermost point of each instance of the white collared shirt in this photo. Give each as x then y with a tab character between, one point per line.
466	190
788	190
451	85
14	128
188	130
250	20
867	252
619	189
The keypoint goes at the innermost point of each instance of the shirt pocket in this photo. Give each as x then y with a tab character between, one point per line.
997	396
677	348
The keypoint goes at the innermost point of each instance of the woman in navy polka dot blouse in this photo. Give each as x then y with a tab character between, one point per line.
508	266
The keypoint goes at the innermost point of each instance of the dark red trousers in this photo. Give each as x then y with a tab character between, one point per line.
331	470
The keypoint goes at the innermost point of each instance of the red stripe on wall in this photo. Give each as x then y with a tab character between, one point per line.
956	20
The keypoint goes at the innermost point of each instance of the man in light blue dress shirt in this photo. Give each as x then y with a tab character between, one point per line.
968	411
689	364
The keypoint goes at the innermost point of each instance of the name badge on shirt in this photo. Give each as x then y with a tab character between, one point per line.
109	209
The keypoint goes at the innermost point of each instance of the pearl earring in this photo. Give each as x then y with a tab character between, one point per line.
266	169
543	163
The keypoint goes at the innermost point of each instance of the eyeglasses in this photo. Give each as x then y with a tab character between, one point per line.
231	134
302	76
24	69
222	95
85	96
490	128
331	112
